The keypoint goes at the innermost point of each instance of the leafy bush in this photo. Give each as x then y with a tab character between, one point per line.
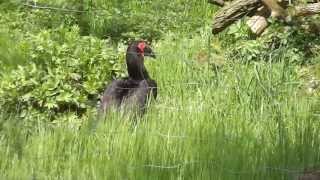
147	19
10	56
64	72
122	20
279	42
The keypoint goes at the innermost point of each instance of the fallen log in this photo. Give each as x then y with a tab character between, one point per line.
307	10
258	22
234	11
237	9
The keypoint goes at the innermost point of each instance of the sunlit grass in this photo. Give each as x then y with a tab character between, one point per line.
214	119
245	121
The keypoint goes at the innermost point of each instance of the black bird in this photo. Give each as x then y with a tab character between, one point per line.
134	91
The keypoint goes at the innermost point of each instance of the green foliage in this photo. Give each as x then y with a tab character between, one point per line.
214	119
146	19
64	72
10	55
244	122
280	42
33	21
120	20
7	5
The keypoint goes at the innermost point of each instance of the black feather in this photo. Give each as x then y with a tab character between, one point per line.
134	91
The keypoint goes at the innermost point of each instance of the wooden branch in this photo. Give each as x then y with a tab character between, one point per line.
233	12
313	1
307	10
258	23
216	2
237	9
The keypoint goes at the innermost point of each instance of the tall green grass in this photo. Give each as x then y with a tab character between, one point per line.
236	121
214	119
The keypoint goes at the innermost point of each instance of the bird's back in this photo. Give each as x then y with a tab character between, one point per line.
128	93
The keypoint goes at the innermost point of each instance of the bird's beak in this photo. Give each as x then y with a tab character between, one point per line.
151	54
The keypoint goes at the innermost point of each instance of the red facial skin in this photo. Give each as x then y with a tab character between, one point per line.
141	47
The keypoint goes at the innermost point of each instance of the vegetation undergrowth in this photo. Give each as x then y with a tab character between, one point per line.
224	111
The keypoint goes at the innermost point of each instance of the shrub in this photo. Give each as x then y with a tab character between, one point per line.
120	20
292	43
64	72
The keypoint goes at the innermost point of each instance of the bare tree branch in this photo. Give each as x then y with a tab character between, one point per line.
237	9
307	10
258	23
233	12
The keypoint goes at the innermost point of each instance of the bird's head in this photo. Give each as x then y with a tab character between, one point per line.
141	48
135	59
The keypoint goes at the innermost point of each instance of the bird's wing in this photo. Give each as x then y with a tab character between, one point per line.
113	95
133	94
137	97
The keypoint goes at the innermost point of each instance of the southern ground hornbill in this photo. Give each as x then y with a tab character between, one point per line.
134	91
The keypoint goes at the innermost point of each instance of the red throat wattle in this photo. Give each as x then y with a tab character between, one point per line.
141	47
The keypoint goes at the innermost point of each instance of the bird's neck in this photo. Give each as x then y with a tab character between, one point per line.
135	65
